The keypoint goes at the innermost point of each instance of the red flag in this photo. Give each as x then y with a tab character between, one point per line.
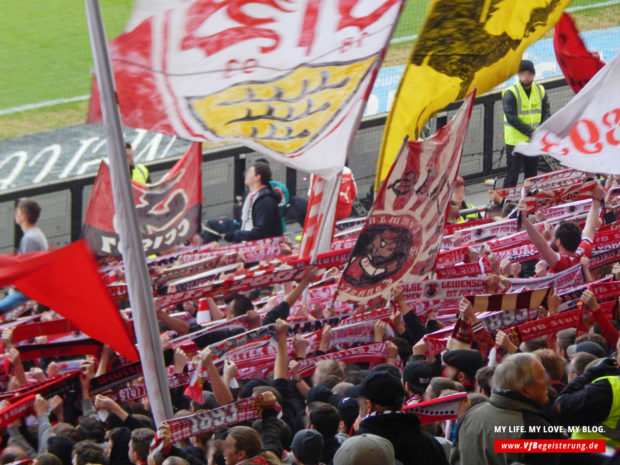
577	63
67	281
402	234
168	211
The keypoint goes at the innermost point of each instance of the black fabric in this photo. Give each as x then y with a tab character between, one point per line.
582	403
415	329
411	445
514	162
270	432
265	218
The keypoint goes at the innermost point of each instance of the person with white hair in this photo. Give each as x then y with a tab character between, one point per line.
514	409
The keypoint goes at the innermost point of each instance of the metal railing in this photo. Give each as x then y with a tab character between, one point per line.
489	128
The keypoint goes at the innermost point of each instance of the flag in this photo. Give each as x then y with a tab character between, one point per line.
402	234
577	63
463	45
168	211
287	79
584	134
67	281
194	389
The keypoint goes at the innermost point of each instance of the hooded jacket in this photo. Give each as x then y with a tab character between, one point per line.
411	444
265	218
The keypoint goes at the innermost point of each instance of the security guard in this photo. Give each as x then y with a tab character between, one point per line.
138	172
525	108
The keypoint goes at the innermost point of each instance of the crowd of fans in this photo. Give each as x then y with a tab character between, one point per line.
341	413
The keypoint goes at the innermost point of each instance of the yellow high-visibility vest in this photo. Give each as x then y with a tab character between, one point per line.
612	422
140	173
529	110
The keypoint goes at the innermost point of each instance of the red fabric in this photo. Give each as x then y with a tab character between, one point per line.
609	332
347	194
66	280
577	63
565	261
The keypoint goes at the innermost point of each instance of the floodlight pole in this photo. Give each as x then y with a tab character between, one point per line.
139	284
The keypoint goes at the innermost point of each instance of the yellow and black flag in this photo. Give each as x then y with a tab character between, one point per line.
464	44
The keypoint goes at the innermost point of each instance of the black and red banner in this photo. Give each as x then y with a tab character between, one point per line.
168	211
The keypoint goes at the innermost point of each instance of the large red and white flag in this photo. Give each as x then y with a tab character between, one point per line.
585	134
168	211
403	232
288	79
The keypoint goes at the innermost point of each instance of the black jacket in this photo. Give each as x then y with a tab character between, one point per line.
265	218
411	445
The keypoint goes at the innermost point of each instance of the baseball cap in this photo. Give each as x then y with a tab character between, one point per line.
380	387
307	446
418	375
466	360
527	65
589	347
365	449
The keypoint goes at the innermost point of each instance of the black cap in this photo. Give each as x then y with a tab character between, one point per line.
349	410
418	375
307	446
589	347
466	360
380	387
246	390
527	65
391	369
318	394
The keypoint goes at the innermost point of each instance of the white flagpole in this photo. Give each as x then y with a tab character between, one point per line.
327	208
138	281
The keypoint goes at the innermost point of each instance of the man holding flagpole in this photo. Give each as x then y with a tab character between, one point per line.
525	107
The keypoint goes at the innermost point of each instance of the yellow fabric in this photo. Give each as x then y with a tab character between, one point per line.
529	110
140	173
463	45
612	422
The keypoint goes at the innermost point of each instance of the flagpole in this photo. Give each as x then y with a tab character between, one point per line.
327	207
139	284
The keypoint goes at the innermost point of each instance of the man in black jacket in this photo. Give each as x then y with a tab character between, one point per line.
260	216
381	397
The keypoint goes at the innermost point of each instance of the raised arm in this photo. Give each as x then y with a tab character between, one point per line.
543	247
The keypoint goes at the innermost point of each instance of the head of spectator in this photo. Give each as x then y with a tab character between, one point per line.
173	460
325	418
87	452
578	364
484	381
243	443
61	447
524	374
566	238
247	389
238	306
378	392
454	212
526	73
325	368
458	192
130	154
365	449
461	365
438	384
349	411
118	446
416	377
321	394
257	176
307	447
563	339
508	208
553	365
12	454
589	347
27	214
139	445
91	429
341	388
533	344
47	459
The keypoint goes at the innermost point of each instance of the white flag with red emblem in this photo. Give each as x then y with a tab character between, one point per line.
287	79
402	235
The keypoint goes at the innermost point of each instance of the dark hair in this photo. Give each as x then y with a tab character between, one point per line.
325	418
483	379
88	452
30	208
404	348
128	145
246	439
61	447
91	428
141	442
330	381
241	305
569	234
580	361
508	208
119	450
263	170
566	337
439	383
593	337
48	459
12	454
534	344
